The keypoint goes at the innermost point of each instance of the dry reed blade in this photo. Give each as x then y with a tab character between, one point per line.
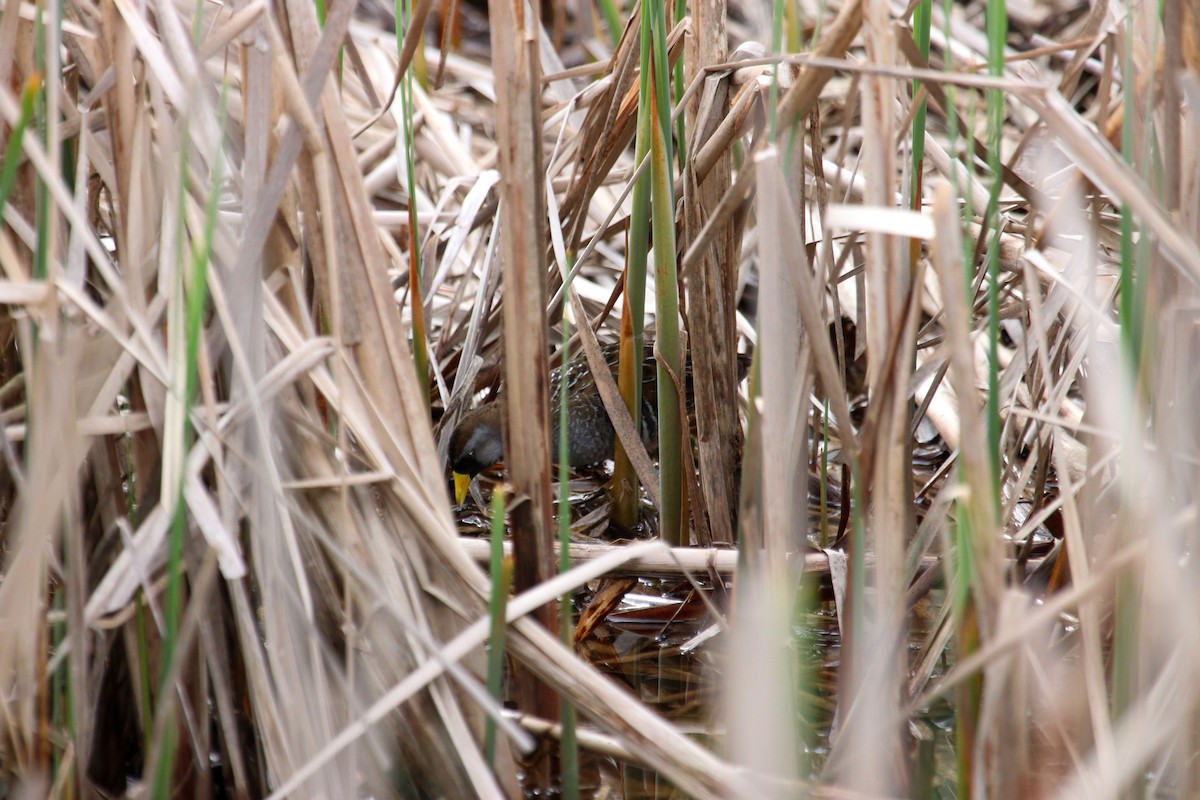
523	244
711	294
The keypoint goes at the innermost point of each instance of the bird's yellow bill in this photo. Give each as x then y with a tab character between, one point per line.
461	484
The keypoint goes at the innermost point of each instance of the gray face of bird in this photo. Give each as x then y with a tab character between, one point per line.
477	442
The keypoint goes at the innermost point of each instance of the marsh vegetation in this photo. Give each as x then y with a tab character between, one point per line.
260	258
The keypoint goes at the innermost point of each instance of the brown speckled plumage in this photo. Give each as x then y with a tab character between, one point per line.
476	443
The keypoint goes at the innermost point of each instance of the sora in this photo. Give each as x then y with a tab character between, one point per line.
477	442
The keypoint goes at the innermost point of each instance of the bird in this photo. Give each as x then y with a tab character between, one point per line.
477	442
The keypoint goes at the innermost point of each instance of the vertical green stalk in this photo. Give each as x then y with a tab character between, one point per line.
997	33
777	19
633	318
34	110
672	515
794	30
612	21
1128	283
977	516
12	153
501	573
42	221
416	300
195	289
796	132
322	12
969	693
921	28
569	752
680	87
175	538
1131	289
960	183
1132	282
962	558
